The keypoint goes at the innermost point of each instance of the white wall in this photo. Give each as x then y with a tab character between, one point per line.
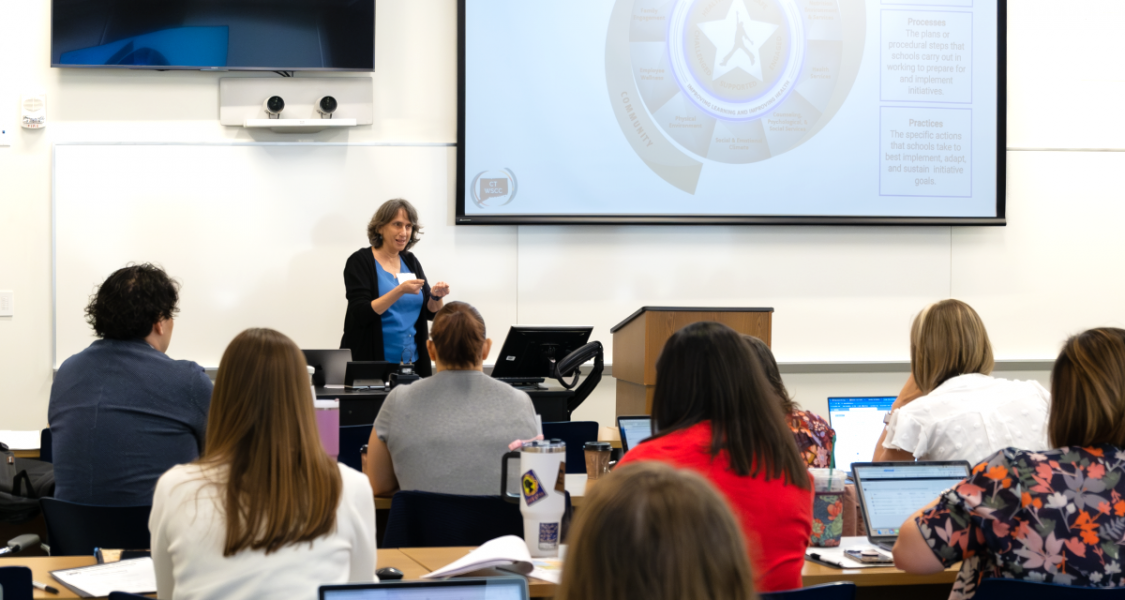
415	96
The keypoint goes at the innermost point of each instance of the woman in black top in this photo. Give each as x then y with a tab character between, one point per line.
389	299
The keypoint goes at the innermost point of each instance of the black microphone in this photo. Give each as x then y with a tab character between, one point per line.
20	543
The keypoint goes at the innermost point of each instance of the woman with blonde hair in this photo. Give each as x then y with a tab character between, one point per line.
950	407
264	512
1053	516
652	531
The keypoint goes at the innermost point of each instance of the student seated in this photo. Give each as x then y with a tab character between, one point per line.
814	436
446	433
950	408
265	512
1049	515
651	531
122	412
715	413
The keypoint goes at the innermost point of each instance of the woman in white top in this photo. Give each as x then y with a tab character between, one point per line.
950	407
265	512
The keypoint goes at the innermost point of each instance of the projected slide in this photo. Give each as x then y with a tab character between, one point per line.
737	108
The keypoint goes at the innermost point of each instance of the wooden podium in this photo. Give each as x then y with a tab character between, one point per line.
638	340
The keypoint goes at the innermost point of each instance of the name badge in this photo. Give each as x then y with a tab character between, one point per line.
405	276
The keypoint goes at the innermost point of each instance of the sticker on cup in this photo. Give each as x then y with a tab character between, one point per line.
560	481
532	488
548	536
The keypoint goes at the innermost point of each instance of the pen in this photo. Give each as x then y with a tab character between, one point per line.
44	587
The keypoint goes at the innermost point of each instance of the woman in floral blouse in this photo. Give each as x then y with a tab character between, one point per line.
813	434
1055	516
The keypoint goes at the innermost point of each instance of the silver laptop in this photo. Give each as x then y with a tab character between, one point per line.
889	492
329	364
474	588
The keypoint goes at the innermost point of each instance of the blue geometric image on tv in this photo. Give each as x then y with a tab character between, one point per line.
189	46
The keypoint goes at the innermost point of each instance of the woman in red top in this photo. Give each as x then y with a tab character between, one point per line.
716	414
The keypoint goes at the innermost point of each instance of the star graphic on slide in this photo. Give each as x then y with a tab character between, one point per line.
738	40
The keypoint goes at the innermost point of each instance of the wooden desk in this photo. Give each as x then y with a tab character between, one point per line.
25	453
575	484
817	574
436	558
41	567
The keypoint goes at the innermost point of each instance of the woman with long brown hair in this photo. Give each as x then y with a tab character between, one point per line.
264	512
715	413
1053	516
651	531
951	408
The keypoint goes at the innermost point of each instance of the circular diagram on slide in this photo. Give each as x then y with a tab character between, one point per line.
729	81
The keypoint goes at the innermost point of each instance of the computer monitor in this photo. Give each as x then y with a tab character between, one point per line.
634	430
330	365
482	588
529	349
858	422
889	492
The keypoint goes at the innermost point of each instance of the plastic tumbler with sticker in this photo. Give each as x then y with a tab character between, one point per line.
542	493
828	506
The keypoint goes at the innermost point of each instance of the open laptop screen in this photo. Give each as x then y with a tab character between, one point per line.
858	422
891	491
634	430
491	588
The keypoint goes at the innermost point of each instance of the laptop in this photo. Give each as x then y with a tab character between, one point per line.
858	423
330	365
369	374
469	588
889	492
634	430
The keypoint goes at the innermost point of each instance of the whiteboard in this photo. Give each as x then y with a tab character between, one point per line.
258	235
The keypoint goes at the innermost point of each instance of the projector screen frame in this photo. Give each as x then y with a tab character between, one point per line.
462	218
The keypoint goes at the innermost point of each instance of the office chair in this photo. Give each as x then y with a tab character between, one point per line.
352	437
76	529
840	590
15	583
998	587
575	434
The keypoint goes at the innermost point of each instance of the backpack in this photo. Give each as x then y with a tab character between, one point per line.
23	481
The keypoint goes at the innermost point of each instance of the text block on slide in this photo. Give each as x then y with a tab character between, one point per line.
926	56
925	151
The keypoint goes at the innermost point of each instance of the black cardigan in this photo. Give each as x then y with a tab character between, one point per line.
363	327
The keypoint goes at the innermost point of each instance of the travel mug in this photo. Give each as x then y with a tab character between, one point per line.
542	494
597	459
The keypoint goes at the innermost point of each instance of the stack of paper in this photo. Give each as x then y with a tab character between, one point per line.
509	552
20	440
135	576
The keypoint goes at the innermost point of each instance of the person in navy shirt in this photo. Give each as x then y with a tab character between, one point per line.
122	412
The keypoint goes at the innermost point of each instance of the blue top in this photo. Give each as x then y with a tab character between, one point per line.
121	414
398	320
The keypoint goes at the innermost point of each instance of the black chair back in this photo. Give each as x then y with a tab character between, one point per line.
993	588
352	438
15	583
126	596
427	519
76	529
575	434
45	452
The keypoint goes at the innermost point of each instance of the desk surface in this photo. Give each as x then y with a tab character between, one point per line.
41	567
415	562
25	453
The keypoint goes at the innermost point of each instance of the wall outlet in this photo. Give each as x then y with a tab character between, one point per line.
6	134
7	303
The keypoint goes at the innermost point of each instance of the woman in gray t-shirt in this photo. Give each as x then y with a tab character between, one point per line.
446	433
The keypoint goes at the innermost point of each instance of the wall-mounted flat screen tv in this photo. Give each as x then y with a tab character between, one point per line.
732	111
267	35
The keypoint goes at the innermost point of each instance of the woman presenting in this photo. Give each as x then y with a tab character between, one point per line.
389	299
